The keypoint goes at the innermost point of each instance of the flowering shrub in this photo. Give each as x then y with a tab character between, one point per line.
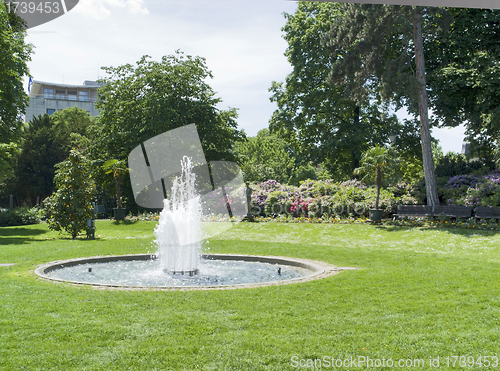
460	181
468	190
317	188
317	198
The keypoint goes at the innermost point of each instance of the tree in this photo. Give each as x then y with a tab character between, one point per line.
75	123
118	169
326	123
142	101
7	152
13	67
47	140
378	54
69	207
265	157
464	75
375	162
138	102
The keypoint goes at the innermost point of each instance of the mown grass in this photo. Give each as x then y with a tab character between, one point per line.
419	293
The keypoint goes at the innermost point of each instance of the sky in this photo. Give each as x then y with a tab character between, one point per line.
241	41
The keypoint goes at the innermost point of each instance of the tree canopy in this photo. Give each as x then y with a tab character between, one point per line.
327	123
463	72
138	102
378	54
46	141
13	67
265	157
70	206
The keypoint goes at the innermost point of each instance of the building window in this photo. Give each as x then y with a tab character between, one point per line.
48	93
60	94
50	111
83	95
71	94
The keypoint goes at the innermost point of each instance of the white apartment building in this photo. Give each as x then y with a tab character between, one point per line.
47	97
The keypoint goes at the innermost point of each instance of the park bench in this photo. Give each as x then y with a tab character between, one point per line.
413	211
487	212
452	211
99	209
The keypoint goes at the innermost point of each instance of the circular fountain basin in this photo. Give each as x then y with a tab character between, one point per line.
216	271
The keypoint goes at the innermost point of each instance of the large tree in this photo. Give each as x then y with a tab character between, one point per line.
326	123
265	157
47	140
14	55
138	102
378	54
463	72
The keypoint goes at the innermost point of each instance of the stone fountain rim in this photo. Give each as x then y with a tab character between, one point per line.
318	270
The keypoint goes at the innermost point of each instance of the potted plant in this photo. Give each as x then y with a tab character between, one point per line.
117	168
376	161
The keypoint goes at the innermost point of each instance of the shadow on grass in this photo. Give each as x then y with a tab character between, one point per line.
20	231
15	241
466	232
124	222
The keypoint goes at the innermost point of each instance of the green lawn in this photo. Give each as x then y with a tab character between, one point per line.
420	293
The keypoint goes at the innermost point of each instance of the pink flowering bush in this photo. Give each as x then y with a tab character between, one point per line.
317	198
468	190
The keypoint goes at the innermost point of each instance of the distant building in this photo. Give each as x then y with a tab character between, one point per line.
47	97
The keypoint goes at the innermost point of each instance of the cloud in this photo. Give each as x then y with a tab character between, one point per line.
101	9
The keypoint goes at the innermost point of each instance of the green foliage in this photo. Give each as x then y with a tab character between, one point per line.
315	198
70	205
378	55
265	157
46	141
471	190
118	168
13	67
303	172
44	145
464	76
375	162
8	152
138	102
453	164
19	216
75	124
324	123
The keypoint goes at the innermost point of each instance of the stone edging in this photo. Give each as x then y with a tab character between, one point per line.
318	270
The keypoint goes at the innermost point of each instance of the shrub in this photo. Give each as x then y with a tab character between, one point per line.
70	206
21	216
469	190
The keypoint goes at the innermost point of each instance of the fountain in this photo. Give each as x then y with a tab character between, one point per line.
179	262
178	233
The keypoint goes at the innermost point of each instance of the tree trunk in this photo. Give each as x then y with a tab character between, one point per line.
118	192
379	185
430	178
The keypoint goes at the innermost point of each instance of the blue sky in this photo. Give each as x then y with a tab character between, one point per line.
241	41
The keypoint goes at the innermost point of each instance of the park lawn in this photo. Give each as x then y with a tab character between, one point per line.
419	293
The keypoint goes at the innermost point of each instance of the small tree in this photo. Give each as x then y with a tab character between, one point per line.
118	168
70	206
376	161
